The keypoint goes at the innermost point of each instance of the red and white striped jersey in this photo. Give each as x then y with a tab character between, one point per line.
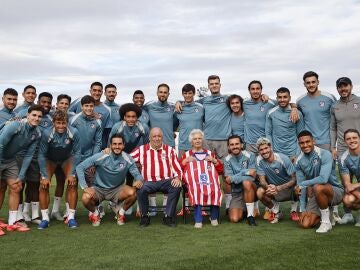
202	179
158	164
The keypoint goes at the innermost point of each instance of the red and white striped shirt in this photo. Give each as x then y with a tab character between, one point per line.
158	164
202	179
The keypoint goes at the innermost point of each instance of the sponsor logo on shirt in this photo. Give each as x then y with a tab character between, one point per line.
163	156
322	103
204	180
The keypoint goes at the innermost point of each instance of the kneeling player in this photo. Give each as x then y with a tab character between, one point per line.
59	150
277	179
240	173
111	170
315	175
349	164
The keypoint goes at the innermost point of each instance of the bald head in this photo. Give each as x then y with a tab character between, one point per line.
156	137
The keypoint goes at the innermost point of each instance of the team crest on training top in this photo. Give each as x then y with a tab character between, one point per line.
33	137
67	141
221	100
316	161
167	109
196	110
355	106
262	108
244	164
277	171
322	103
136	134
121	165
44	123
92	125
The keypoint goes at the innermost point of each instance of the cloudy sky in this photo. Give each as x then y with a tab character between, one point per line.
63	46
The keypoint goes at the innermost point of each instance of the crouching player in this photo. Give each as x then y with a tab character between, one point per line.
59	149
111	170
349	164
240	173
277	180
315	175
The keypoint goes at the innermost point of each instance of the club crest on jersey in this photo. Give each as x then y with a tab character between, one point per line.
167	109
136	134
315	162
121	165
67	141
44	123
322	103
355	106
277	171
204	180
221	100
196	110
163	156
92	125
244	164
33	137
262	108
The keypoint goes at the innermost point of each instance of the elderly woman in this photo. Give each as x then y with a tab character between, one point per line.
201	174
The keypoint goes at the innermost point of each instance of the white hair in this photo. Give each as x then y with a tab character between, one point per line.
193	132
262	141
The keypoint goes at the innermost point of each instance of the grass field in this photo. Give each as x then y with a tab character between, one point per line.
228	246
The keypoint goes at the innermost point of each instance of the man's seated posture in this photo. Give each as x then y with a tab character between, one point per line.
349	165
315	175
239	167
277	180
111	170
162	172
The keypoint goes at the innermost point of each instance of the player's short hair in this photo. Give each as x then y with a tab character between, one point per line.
87	99
60	116
234	137
96	84
45	94
63	96
351	130
164	85
188	88
195	131
129	107
253	82
261	141
117	135
282	90
29	87
138	92
110	85
213	77
310	74
231	97
36	108
11	92
304	133
343	81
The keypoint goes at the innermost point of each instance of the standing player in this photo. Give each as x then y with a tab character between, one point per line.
29	95
240	172
59	149
277	178
280	130
111	170
235	104
315	175
101	111
9	99
345	114
349	165
110	95
139	100
18	138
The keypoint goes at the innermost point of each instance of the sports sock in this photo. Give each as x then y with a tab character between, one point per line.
56	205
121	211
26	207
67	208
256	205
45	214
186	202
325	215
12	217
152	200
227	200
96	212
250	209
294	206
34	210
19	214
71	213
335	209
276	207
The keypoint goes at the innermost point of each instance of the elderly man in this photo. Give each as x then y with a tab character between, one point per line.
161	171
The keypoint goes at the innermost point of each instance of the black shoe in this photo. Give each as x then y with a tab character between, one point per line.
169	221
144	221
251	221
